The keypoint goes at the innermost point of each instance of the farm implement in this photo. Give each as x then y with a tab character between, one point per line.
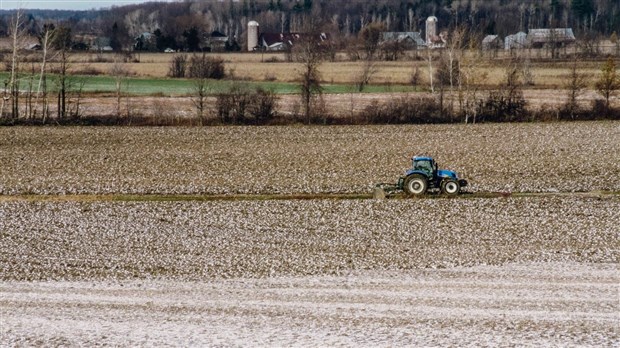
424	176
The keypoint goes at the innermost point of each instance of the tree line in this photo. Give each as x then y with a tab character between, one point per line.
184	25
454	77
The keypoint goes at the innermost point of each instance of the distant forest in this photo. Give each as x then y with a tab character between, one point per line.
184	24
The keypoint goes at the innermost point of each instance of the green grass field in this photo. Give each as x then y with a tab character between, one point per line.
168	86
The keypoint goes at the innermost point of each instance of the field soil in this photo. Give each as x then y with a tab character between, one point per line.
531	271
90	257
527	305
532	157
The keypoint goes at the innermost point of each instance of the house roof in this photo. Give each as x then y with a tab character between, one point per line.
102	41
274	39
271	39
404	35
547	35
489	38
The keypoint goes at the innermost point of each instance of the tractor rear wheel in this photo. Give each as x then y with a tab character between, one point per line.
416	185
450	187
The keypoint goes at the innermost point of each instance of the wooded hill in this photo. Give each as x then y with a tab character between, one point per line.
180	24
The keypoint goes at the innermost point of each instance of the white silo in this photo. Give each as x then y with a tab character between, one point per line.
431	29
252	35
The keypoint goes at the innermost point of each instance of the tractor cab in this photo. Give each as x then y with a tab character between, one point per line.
424	164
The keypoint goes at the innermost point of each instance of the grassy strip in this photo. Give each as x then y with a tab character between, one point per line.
269	197
180	87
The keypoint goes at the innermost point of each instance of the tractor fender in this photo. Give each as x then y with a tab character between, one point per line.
412	171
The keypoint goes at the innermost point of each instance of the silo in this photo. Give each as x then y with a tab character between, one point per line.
252	35
431	29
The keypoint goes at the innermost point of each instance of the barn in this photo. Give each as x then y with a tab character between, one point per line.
558	37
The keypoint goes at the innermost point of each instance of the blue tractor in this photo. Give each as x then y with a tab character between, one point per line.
425	176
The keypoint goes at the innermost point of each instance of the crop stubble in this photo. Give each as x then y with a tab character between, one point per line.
541	157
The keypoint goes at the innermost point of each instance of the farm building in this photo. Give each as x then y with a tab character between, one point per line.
283	41
409	39
101	44
432	39
275	41
559	37
217	41
253	30
144	42
492	42
515	41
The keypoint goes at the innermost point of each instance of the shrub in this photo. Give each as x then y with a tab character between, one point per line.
231	106
506	105
242	106
203	66
405	110
262	106
178	66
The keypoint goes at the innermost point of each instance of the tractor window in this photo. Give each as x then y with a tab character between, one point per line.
424	166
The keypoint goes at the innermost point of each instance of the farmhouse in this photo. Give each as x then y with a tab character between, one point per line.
101	44
217	41
408	39
144	42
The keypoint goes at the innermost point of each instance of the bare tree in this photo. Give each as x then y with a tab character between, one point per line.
608	82
75	112
469	82
62	45
29	103
369	68
370	38
429	59
200	91
118	71
575	84
614	39
309	52
46	39
526	70
17	35
454	52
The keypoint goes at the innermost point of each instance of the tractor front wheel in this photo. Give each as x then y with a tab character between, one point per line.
416	185
450	187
